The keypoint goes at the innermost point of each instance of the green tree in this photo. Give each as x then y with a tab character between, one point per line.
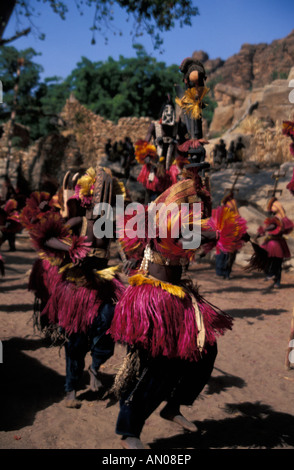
37	104
127	87
151	16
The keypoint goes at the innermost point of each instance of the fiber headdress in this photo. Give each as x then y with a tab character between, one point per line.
187	191
276	207
98	186
32	210
144	149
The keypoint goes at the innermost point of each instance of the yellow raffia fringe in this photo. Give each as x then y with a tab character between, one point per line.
52	260
191	102
139	280
119	188
108	273
65	267
86	182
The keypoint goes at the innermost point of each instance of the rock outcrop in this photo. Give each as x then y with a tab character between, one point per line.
270	103
254	66
257	74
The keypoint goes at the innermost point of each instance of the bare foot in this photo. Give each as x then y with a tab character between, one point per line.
182	421
179	419
95	383
71	401
132	443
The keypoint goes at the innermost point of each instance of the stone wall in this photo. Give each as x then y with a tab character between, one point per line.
79	144
92	131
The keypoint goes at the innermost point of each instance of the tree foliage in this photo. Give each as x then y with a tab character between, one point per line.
151	16
37	103
135	86
127	87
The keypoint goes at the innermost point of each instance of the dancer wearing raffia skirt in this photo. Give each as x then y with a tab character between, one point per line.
169	328
224	261
274	228
153	175
83	289
43	273
10	224
288	130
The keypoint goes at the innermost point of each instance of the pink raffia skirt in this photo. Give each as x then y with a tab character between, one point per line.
43	278
72	305
277	248
74	308
150	317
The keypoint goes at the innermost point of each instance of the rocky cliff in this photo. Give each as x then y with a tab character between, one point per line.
258	75
254	66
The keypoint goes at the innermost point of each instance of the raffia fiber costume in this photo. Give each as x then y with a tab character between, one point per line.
82	289
275	227
153	175
224	261
288	130
169	328
10	224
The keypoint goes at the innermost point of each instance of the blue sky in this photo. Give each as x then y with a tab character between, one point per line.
220	30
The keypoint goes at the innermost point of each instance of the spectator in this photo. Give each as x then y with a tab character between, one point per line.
8	191
108	149
222	151
231	154
239	150
215	156
128	156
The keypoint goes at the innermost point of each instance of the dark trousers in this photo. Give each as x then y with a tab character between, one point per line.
275	268
11	240
95	340
177	381
224	264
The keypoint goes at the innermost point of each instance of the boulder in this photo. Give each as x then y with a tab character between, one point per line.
222	119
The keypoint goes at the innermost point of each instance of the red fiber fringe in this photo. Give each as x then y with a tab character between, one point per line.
231	228
164	324
277	248
43	279
74	308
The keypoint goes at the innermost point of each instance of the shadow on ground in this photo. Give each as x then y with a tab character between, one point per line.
27	386
253	425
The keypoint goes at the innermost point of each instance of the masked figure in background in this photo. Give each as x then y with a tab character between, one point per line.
84	289
224	261
153	175
10	224
164	134
274	228
169	328
288	130
38	206
191	105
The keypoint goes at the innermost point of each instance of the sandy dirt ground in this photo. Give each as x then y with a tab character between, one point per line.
247	404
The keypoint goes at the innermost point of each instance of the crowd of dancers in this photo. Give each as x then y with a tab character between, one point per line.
169	329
